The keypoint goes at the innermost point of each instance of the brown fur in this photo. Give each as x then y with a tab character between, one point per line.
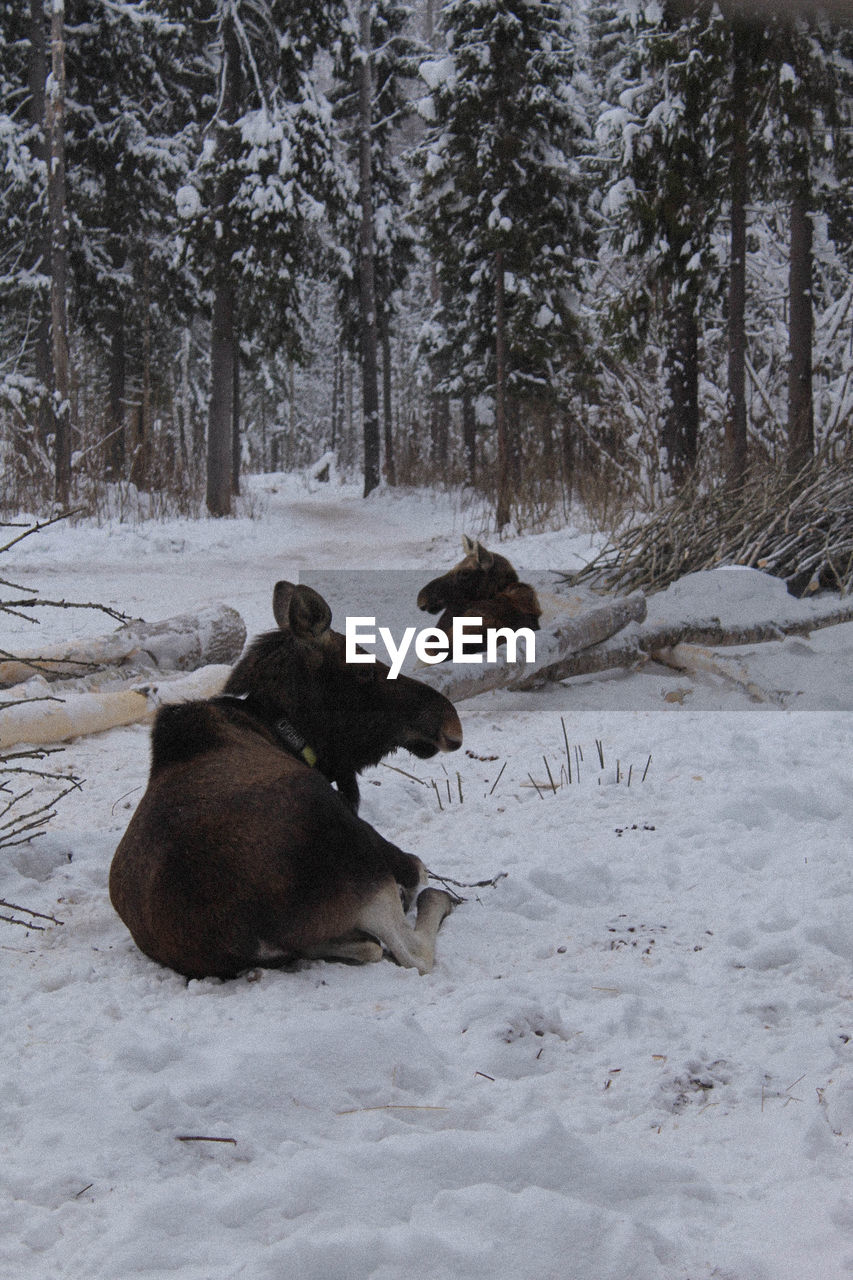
239	852
479	576
514	607
482	585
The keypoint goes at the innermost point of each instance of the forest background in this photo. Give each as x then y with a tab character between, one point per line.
550	250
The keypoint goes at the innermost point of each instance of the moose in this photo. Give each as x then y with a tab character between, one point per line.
482	585
246	849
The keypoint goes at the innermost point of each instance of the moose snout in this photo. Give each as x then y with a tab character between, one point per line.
426	599
450	733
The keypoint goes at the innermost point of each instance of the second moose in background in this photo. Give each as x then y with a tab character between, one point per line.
482	585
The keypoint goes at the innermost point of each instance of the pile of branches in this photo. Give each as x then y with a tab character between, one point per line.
798	528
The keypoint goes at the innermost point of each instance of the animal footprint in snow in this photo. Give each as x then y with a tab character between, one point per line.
695	1084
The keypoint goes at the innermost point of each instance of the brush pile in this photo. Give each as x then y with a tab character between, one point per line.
799	529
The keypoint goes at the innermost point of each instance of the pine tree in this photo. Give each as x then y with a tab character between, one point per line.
126	132
670	176
25	357
502	202
810	109
375	63
253	201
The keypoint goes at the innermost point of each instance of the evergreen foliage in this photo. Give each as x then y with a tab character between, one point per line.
500	173
611	247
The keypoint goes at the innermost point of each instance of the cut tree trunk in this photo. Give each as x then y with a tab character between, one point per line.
45	720
212	635
557	648
591	643
694	658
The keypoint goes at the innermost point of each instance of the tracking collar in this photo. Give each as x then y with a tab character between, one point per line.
294	741
286	733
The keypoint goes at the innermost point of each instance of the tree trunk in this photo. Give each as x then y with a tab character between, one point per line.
735	438
141	468
221	415
800	333
220	423
214	633
681	424
235	420
439	433
567	455
37	78
369	361
388	404
115	453
55	120
502	507
184	409
469	436
78	714
337	394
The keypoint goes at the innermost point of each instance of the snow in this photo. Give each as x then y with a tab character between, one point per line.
633	1058
187	202
438	72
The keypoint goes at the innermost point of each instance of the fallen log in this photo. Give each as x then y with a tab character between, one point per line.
558	646
639	644
215	634
693	659
45	720
602	639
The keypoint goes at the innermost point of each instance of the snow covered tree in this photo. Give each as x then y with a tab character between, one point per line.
375	60
126	131
254	199
58	223
721	117
25	362
667	194
502	202
810	110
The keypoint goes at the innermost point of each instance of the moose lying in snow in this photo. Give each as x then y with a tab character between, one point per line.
241	853
483	585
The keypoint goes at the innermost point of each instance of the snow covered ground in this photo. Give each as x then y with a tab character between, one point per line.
633	1060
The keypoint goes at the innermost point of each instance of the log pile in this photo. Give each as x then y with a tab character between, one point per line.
121	678
799	529
630	631
48	718
215	634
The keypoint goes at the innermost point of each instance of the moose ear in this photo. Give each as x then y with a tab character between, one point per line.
281	595
300	610
468	545
485	559
308	614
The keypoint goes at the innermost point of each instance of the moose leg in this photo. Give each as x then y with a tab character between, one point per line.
407	869
352	947
411	946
